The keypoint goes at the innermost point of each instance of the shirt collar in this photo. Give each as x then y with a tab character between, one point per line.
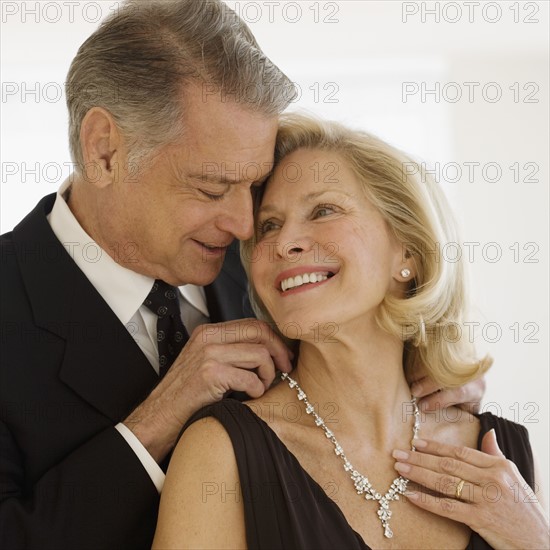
196	297
124	290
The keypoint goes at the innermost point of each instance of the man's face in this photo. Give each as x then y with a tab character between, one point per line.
177	214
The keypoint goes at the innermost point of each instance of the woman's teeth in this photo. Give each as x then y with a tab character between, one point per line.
299	280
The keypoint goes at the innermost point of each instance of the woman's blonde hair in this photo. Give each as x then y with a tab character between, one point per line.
430	319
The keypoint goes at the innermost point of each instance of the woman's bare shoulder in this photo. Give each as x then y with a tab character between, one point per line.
205	437
202	483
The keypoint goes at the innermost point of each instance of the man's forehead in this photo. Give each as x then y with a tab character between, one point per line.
226	142
230	141
235	130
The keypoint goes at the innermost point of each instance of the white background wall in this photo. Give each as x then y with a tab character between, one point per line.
353	61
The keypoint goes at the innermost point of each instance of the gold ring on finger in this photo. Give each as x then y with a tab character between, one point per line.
459	487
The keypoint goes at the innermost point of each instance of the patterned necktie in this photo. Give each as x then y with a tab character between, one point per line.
171	334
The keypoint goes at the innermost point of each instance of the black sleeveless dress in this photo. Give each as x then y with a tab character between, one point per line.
286	509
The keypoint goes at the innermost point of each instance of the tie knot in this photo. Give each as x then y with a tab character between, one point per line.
162	300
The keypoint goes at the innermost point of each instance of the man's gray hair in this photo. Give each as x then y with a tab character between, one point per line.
139	60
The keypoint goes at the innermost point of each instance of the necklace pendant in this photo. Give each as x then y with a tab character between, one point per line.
384	513
361	482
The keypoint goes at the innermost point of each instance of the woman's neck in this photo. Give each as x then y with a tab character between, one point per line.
362	379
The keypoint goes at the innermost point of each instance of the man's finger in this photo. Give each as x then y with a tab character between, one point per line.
245	381
431	397
423	387
245	356
447	398
250	331
439	400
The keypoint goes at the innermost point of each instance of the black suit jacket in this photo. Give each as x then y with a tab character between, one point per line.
69	372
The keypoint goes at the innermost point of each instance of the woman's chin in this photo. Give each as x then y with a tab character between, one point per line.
314	329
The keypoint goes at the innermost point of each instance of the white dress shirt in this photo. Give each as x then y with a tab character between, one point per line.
124	291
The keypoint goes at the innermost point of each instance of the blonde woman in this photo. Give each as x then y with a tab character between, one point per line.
337	454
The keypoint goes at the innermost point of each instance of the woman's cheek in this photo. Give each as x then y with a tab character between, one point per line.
259	266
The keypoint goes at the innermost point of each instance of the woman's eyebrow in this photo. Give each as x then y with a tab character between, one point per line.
269	208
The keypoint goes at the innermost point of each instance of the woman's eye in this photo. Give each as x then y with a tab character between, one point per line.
266	226
323	210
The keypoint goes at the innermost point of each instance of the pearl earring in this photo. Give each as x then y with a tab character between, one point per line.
405	272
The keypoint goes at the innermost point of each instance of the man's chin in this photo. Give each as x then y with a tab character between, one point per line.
201	274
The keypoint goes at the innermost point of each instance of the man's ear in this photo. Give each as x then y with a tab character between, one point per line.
102	147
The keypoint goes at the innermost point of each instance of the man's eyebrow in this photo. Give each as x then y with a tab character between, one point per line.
221	179
211	178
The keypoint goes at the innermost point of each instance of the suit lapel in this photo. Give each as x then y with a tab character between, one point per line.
102	363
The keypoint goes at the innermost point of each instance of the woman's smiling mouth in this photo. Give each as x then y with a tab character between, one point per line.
302	277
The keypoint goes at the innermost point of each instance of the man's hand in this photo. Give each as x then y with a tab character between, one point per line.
239	355
432	397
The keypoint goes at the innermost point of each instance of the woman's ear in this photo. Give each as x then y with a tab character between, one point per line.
404	268
101	144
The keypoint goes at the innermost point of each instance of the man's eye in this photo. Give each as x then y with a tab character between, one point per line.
212	196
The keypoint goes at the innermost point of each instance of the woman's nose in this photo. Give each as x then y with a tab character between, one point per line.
294	240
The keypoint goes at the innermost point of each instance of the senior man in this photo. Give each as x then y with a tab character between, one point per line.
173	117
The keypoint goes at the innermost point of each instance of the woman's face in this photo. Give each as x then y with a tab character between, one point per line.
325	256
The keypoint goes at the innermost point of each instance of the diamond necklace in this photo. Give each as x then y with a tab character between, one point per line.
361	482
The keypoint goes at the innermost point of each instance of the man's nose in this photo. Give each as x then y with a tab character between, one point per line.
238	219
